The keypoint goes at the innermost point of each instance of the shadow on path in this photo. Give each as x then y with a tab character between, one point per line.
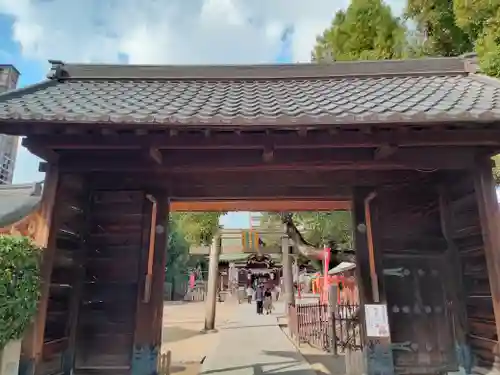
255	344
173	334
258	368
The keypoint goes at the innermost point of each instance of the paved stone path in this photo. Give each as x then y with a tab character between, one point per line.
251	344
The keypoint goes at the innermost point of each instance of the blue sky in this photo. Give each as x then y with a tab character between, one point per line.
14	50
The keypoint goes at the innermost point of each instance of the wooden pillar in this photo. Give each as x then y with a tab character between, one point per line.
149	315
489	214
455	284
213	275
288	291
69	356
45	236
378	352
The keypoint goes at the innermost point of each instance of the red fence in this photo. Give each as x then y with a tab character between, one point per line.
332	329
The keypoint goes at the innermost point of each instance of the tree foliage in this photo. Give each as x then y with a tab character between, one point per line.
186	230
452	28
366	30
178	251
318	228
19	286
488	44
472	15
435	20
325	227
198	227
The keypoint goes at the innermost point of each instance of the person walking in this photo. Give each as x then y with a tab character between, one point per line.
259	299
241	294
268	301
249	294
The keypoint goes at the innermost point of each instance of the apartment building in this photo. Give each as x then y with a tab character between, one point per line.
9	76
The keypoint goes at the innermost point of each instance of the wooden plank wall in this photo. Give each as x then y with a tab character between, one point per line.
467	236
69	221
105	329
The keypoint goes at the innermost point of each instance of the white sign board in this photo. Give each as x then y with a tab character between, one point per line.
377	322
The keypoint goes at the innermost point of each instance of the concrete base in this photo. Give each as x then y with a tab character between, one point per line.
208	331
355	362
9	358
144	360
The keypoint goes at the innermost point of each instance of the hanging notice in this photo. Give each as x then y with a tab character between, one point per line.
377	322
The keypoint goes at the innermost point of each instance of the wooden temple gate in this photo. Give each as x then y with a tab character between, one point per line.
405	145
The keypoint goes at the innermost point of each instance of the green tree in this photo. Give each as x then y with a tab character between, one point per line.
198	227
472	15
178	251
366	30
19	286
435	19
324	227
318	228
488	43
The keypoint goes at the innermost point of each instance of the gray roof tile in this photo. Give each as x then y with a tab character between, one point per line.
18	201
309	95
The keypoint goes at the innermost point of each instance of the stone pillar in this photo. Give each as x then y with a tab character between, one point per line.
288	291
213	275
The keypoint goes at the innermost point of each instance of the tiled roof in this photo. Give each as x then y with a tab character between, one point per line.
242	257
18	201
426	90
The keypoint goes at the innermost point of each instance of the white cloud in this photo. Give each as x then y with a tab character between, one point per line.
166	31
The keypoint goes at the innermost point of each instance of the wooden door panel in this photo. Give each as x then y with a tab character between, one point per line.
419	316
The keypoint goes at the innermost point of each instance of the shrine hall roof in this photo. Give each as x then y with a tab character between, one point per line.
341	93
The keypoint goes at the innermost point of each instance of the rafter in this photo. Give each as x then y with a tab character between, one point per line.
327	138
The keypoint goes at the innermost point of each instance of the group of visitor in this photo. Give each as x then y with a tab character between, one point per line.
263	296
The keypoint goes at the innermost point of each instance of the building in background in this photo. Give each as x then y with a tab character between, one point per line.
9	76
255	219
246	256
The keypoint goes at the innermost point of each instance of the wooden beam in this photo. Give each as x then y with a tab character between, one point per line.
384	151
259	192
273	182
260	205
281	140
489	213
273	178
320	160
